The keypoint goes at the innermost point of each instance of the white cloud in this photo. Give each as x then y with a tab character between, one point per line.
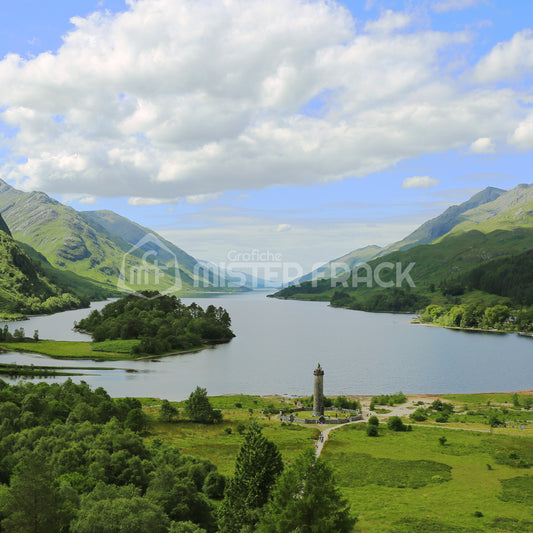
522	137
283	227
89	200
483	145
507	60
419	182
139	200
139	103
442	6
388	22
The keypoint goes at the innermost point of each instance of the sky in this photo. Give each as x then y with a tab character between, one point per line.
306	129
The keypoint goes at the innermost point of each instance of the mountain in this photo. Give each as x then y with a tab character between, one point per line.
102	246
493	226
425	234
441	225
510	210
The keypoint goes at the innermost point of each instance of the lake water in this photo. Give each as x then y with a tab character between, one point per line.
279	343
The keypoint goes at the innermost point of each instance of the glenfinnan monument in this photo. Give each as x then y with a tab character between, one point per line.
318	395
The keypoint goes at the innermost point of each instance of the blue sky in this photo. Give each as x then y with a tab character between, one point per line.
307	129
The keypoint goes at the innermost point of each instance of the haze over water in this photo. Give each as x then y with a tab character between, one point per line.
278	344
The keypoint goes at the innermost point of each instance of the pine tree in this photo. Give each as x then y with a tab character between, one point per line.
306	499
33	502
257	467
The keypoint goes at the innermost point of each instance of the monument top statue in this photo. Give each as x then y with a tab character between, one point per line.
318	371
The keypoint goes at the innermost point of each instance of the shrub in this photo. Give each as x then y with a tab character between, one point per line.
241	428
228	430
419	415
373	421
371	431
441	418
395	424
442	440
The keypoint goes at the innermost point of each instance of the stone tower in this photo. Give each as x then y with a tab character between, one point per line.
318	394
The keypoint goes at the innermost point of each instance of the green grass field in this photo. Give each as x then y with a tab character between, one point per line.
214	443
406	482
64	349
398	482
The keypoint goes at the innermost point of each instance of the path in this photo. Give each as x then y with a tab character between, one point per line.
325	434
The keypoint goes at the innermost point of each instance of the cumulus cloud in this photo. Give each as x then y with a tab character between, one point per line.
174	99
483	145
507	60
388	22
522	137
419	182
88	200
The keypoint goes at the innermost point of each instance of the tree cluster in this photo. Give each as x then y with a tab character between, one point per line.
389	300
477	315
161	323
71	459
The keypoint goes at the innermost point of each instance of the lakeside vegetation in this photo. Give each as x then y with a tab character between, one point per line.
158	323
90	457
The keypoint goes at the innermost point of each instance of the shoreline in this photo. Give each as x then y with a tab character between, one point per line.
417	322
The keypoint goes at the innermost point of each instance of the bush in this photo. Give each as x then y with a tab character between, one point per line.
441	418
395	424
241	428
228	430
419	415
373	421
442	440
371	430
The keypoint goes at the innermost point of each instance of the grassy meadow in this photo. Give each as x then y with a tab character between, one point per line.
401	482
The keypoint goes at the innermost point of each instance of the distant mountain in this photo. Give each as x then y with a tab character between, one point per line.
99	245
361	255
439	226
425	234
514	209
493	225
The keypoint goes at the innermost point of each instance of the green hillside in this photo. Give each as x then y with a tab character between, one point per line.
24	288
98	246
493	236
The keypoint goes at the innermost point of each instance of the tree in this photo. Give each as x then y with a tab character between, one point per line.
185	527
257	467
395	424
167	411
118	509
306	499
199	409
34	503
136	420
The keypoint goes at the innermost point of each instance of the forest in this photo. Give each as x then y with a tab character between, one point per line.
76	460
161	323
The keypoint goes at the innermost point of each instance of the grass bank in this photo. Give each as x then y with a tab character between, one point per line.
105	351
